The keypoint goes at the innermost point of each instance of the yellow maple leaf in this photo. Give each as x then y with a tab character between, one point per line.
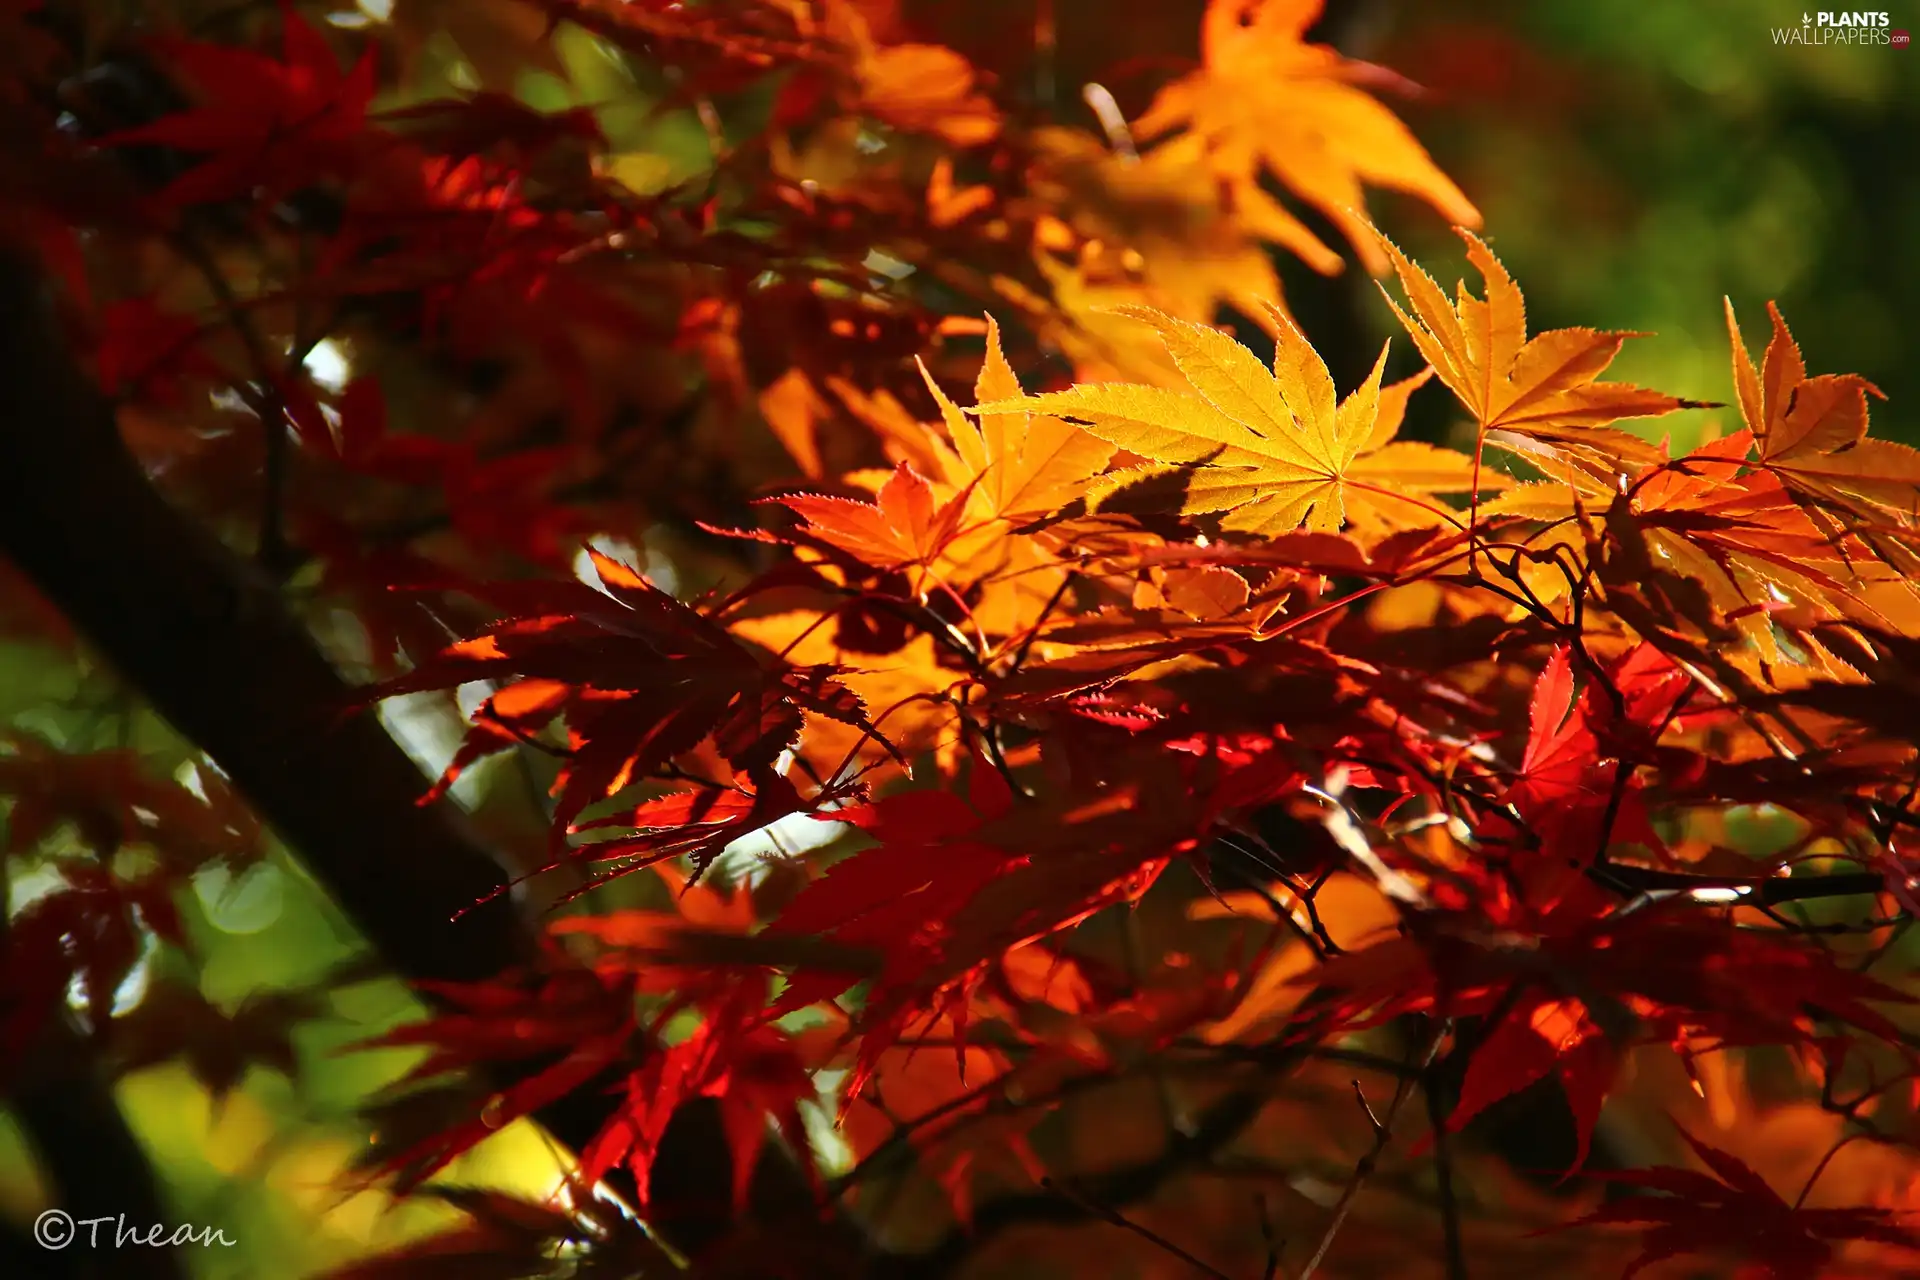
1157	230
1412	468
1019	464
1014	468
1271	449
1264	98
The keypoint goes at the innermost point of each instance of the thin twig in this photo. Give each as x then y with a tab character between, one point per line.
1119	1219
1033	632
1825	1160
1382	1135
1275	1245
266	397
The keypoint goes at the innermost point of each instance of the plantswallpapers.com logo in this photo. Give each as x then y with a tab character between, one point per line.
1841	28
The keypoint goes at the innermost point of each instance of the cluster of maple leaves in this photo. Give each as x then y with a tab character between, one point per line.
1404	759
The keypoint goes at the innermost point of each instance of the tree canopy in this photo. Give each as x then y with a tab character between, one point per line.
828	637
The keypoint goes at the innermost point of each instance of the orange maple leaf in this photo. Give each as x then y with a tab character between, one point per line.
1811	432
1264	98
1537	396
902	526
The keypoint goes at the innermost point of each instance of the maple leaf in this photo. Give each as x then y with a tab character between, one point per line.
1812	432
1708	522
925	88
1018	473
1560	746
1756	545
1736	1211
1014	464
1543	1036
113	801
639	676
954	884
91	931
1573	976
1539	395
752	1069
1271	449
902	526
1574	791
643	944
266	125
698	823
218	1045
1265	98
1154	229
926	1100
573	1024
1393	476
926	866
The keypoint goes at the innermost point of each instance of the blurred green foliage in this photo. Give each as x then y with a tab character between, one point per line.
271	1163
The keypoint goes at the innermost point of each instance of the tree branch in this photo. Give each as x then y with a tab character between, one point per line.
92	1160
207	639
1437	1109
1125	1223
1216	1128
1768	891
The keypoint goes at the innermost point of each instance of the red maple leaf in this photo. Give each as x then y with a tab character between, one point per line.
750	1067
926	867
217	1045
150	354
1560	746
575	1023
91	932
698	823
1572	984
1577	791
264	126
639	677
1735	1211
